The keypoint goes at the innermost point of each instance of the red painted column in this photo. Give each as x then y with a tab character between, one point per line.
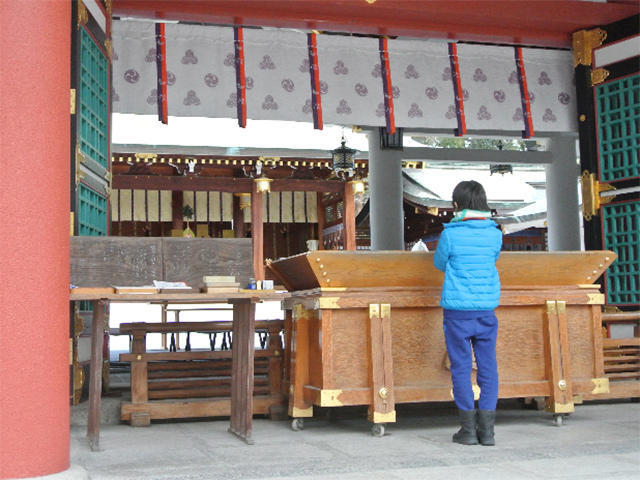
35	52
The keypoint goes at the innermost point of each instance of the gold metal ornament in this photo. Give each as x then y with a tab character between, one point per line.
591	199
584	41
599	75
83	14
600	385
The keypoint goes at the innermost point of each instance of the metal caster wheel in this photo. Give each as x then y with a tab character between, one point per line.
377	430
297	424
558	420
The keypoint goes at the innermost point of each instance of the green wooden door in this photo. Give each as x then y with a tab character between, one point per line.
91	79
608	88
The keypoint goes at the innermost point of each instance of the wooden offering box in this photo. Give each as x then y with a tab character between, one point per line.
365	328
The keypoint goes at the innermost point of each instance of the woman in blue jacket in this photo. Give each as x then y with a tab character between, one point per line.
467	252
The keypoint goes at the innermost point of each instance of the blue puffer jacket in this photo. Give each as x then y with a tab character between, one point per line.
467	252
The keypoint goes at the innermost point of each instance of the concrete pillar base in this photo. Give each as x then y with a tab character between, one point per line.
74	472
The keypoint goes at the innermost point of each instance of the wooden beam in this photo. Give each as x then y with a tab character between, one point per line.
257	233
349	217
238	218
321	222
474	155
176	209
220	184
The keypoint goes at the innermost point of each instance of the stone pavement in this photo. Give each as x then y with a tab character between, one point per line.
601	440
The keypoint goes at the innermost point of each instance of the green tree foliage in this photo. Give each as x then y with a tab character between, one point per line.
472	143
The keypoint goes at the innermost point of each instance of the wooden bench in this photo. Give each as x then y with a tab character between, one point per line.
622	357
197	383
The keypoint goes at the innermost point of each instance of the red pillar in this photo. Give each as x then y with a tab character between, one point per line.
35	52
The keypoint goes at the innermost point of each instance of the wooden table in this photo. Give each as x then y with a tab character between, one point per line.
242	354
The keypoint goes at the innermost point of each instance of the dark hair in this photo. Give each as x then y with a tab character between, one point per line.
470	194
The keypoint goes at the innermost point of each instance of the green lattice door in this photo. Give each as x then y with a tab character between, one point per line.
610	147
91	163
90	156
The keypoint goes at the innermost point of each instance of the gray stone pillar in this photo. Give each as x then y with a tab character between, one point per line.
563	205
386	217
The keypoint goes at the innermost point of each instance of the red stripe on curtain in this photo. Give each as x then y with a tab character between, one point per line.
314	73
524	95
241	86
387	86
457	90
161	64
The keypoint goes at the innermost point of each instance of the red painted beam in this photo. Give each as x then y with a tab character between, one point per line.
523	22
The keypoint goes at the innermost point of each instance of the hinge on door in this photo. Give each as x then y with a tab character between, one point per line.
73	101
591	199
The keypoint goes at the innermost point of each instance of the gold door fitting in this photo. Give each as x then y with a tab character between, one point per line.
591	190
584	41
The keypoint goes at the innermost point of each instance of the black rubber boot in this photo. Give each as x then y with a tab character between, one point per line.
486	420
467	433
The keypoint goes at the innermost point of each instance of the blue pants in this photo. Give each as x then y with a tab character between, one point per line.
462	329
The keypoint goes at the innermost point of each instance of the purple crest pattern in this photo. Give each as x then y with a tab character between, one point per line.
544	79
191	99
304	65
171	78
411	72
431	93
513	77
377	71
446	73
518	116
564	98
267	64
152	99
287	84
548	116
151	56
499	95
479	76
269	103
190	58
131	76
307	107
361	89
248	83
340	69
211	80
324	88
483	113
232	100
343	108
415	111
451	113
380	110
230	60
395	91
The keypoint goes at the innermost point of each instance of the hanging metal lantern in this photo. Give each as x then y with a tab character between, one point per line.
343	159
